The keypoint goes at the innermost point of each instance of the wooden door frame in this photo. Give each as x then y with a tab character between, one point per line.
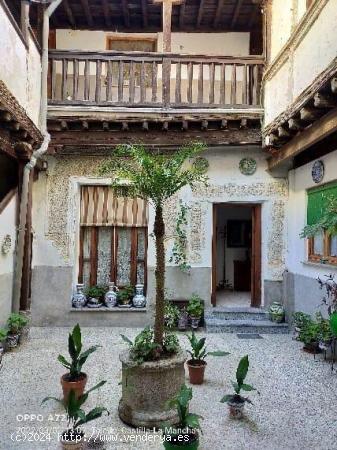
256	265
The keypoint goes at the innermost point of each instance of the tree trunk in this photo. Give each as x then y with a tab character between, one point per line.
159	233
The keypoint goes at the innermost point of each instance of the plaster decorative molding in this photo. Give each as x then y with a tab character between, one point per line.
297	36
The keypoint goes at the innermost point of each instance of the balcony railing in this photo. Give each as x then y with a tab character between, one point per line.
157	80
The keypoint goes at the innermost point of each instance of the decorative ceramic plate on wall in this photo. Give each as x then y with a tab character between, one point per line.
317	171
247	166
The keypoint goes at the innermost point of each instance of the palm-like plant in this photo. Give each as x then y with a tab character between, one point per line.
199	351
182	400
240	385
138	172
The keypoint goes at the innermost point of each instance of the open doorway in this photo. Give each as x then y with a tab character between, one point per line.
236	255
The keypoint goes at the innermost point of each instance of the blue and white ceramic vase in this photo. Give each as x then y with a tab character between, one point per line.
139	300
110	298
79	299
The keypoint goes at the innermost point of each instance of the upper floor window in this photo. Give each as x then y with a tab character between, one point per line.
322	208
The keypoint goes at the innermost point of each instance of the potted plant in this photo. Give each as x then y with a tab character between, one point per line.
325	334
171	314
73	437
197	364
15	323
236	402
185	434
95	295
138	172
3	336
309	335
195	309
183	320
300	320
75	380
124	296
276	312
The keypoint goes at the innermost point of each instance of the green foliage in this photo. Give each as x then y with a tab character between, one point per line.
75	414
125	294
240	385
145	349
301	319
333	323
16	322
78	358
181	402
138	172
179	257
195	306
3	334
96	291
327	222
199	350
171	314
309	333
324	330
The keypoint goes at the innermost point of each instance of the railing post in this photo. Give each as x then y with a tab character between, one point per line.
166	81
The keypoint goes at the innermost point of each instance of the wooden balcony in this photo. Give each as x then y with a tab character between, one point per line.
160	82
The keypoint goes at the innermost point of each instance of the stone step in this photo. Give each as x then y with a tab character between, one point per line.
216	325
240	313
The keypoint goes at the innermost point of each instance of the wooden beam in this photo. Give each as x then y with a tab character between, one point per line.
25	19
295	125
309	114
88	16
236	13
322	128
283	133
126	15
333	84
69	13
218	12
182	14
200	13
106	12
144	14
324	101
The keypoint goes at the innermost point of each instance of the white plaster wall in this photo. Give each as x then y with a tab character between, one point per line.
20	69
299	181
228	44
304	60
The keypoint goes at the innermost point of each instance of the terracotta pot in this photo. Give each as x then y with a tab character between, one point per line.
74	443
77	386
196	369
236	409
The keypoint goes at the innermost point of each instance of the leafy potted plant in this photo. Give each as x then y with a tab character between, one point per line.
309	335
300	320
95	295
15	323
195	308
73	437
236	402
143	173
197	364
171	314
124	296
185	434
75	380
325	334
183	319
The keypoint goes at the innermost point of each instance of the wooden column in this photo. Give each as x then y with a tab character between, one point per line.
167	21
25	19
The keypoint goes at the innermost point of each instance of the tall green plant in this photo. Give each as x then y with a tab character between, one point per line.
138	172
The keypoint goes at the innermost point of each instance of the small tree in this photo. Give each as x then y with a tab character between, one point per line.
138	172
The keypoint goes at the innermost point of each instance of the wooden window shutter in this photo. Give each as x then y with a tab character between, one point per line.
318	201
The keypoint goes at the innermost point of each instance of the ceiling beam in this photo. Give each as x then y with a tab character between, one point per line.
254	15
144	14
182	14
126	15
236	13
218	12
69	13
87	12
320	129
106	12
200	13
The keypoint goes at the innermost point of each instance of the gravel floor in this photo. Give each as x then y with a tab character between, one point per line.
296	408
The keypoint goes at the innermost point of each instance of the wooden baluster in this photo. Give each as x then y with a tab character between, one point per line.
166	81
53	79
64	78
98	81
109	82
142	83
86	79
211	83
244	85
75	79
201	84
120	81
132	83
154	82
190	82
178	84
223	85
255	85
233	85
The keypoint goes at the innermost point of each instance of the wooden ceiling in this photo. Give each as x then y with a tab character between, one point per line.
145	15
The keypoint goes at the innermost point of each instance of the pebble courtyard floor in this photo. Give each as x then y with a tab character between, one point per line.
296	407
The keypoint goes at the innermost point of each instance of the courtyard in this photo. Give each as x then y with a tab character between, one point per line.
295	407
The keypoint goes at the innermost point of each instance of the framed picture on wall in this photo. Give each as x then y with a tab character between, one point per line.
239	233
